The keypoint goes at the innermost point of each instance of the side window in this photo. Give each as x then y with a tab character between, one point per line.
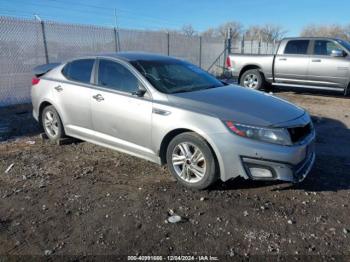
115	76
79	70
297	47
324	47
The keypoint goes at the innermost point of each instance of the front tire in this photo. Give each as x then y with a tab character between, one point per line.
253	79
191	161
52	124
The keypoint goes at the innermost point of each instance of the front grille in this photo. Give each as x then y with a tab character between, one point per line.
299	133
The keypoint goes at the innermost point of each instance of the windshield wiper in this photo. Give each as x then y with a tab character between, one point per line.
195	88
212	86
184	90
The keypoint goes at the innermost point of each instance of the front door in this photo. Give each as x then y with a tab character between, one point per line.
325	70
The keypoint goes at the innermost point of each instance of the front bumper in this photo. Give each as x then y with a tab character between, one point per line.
281	171
286	163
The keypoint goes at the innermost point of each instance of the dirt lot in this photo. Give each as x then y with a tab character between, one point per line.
81	199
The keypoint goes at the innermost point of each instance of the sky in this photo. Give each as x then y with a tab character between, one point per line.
293	15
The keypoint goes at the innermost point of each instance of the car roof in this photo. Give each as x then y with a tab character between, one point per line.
139	56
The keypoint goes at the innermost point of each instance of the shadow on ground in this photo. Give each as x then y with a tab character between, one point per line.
17	121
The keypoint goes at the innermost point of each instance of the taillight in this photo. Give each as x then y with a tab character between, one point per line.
228	62
35	81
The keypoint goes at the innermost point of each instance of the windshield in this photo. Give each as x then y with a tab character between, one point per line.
176	76
345	44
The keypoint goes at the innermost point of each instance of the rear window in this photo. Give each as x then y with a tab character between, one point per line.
297	47
79	70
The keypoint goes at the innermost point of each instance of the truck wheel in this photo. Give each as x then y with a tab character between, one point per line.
191	161
252	79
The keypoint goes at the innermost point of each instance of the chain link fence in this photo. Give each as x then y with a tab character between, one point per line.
253	47
21	48
25	44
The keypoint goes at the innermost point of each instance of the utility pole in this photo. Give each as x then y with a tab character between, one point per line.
115	18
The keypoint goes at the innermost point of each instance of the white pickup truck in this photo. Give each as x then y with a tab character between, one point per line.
318	63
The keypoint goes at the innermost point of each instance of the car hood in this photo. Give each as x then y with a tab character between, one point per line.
238	104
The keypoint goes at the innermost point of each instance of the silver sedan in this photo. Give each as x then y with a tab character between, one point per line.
171	112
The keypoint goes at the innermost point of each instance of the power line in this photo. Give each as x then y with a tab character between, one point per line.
120	10
50	19
124	14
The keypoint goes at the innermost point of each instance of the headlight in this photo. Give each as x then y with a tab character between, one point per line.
272	135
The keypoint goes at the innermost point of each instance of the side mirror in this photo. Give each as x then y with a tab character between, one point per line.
338	53
140	92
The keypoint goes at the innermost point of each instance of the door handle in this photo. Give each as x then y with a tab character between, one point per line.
316	60
283	59
98	97
58	88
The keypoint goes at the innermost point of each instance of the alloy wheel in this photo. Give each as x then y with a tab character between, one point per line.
51	123
189	162
251	81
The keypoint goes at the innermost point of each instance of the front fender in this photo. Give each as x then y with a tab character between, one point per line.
204	125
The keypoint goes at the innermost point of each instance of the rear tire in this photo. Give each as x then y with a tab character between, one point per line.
52	124
191	161
253	79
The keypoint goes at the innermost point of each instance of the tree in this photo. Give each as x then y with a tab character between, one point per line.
271	32
210	32
326	31
266	33
188	30
253	32
236	27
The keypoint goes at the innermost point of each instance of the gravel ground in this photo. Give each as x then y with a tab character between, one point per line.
81	199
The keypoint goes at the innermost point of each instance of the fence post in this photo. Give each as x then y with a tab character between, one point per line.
45	43
200	51
227	49
267	48
242	45
168	43
229	41
259	47
115	39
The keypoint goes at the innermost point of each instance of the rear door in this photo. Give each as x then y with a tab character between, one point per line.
120	118
291	64
73	96
325	70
